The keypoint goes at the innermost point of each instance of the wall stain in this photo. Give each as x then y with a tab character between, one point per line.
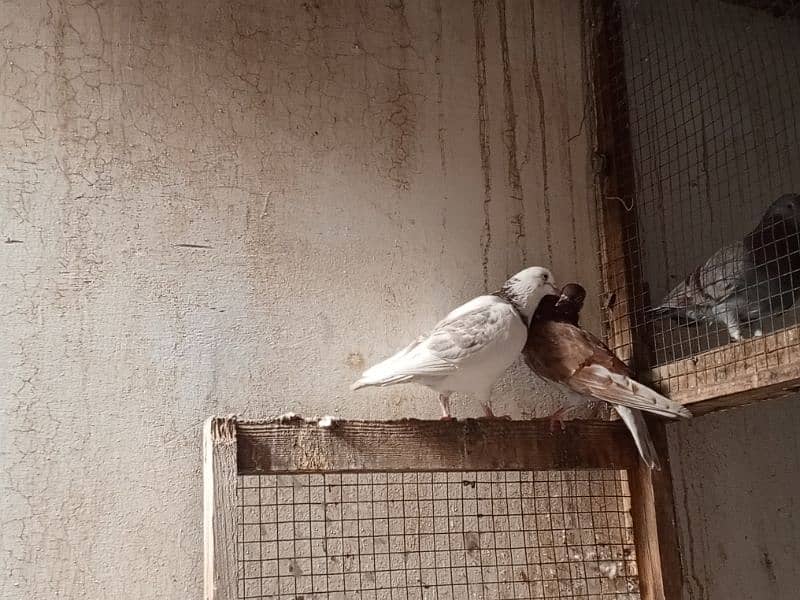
537	83
442	130
355	360
437	65
769	565
689	561
510	139
568	145
478	8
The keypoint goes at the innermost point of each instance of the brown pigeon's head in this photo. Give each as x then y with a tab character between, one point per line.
785	208
573	295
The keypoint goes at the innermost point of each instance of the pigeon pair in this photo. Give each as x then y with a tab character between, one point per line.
745	282
472	346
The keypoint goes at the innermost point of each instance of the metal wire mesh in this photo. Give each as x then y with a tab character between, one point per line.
450	536
708	94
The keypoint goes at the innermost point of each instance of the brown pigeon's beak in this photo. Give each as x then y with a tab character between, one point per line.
562	299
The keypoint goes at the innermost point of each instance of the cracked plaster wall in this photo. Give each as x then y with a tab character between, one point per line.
233	206
736	497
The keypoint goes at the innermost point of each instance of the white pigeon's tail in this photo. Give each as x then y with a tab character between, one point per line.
381	381
387	372
634	419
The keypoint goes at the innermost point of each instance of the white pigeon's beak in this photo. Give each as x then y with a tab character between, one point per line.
552	289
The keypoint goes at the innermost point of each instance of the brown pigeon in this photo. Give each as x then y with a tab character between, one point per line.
559	350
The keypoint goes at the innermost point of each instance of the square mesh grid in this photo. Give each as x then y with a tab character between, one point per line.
450	536
706	98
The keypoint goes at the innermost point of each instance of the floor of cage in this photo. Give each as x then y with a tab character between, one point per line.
478	535
672	341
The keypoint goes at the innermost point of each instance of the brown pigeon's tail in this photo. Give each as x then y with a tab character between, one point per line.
641	435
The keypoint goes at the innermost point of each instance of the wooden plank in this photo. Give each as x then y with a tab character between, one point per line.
220	514
654	529
775	8
735	374
297	446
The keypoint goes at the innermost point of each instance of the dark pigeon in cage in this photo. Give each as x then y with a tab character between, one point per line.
747	282
559	350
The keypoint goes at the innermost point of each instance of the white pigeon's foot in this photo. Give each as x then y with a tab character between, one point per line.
557	417
757	333
444	402
489	413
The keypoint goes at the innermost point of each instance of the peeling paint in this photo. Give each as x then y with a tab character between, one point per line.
224	207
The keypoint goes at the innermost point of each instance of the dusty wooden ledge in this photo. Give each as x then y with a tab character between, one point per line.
297	445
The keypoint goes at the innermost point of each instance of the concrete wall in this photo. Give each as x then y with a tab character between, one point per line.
737	485
234	206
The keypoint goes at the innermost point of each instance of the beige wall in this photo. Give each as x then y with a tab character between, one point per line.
216	207
737	485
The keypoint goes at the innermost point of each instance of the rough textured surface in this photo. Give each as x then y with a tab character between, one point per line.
233	206
736	493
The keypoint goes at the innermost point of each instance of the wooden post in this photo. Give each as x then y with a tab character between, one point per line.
654	529
616	191
220	514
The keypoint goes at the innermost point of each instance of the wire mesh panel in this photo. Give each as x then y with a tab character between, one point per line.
478	535
705	97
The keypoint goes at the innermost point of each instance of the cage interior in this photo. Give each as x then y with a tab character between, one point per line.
710	91
486	535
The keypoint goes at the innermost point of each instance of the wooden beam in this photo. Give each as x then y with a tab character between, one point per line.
735	374
775	8
297	446
654	529
220	514
615	190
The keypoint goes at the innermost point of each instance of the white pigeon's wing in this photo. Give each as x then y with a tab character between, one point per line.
598	382
460	336
457	338
716	280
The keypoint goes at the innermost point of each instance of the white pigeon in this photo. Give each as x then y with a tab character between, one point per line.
471	347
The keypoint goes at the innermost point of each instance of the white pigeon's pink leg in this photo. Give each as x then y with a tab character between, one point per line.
558	417
444	401
489	413
486	402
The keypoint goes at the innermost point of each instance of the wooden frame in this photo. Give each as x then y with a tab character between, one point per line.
732	375
294	445
735	374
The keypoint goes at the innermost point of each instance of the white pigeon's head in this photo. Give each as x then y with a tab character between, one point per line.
528	287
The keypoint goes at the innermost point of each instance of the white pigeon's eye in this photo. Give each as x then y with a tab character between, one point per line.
545	276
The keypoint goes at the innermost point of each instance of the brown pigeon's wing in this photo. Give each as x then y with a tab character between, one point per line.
603	355
569	355
598	382
556	350
721	276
